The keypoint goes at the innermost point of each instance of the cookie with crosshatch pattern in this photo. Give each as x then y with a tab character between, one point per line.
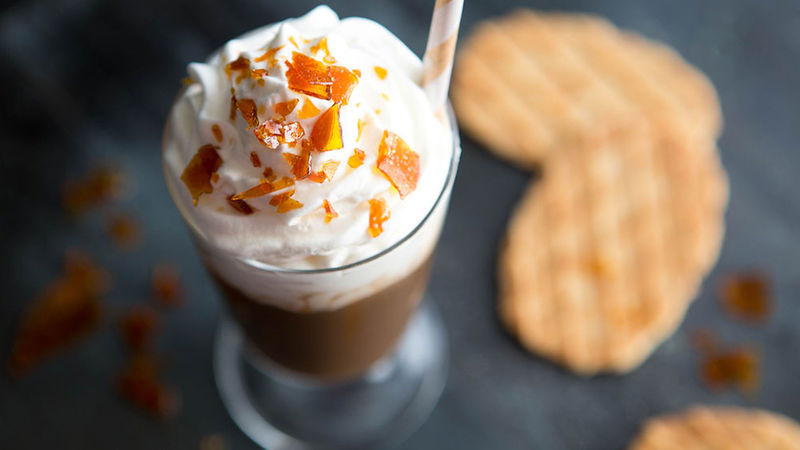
719	428
604	254
530	84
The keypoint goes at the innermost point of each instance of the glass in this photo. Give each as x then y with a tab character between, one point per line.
363	372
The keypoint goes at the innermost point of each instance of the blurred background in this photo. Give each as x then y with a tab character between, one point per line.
87	83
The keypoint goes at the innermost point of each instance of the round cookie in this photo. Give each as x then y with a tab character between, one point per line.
719	428
530	84
604	254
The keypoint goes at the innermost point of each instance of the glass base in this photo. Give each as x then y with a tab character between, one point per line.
281	411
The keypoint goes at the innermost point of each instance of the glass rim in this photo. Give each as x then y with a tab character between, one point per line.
448	182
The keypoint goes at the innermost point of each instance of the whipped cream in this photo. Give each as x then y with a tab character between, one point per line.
301	238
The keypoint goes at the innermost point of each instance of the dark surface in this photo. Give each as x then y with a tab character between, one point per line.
91	81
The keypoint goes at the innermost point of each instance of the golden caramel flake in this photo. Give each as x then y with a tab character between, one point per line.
215	177
187	81
99	185
137	327
378	214
240	64
269	56
385	97
357	158
260	82
299	165
258	74
321	45
380	72
746	296
232	114
285	202
328	59
124	231
217	132
308	76
139	384
166	284
308	110
255	160
343	83
285	108
263	188
292	40
327	172
357	73
327	131
67	310
398	163
240	205
197	174
269	174
737	367
292	132
330	213
361	124
247	107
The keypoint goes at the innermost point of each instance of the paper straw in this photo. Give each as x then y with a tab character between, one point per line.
438	60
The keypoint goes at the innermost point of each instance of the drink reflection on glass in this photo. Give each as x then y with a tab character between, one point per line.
314	176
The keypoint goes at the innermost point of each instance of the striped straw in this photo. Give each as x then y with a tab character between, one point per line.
438	61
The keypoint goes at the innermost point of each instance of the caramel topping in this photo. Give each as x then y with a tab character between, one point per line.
398	162
232	114
299	165
291	39
357	72
197	174
166	285
378	214
272	133
327	172
285	108
255	159
330	213
138	326
308	76
240	64
321	45
356	159
217	132
738	367
380	72
344	81
269	174
308	110
327	132
187	81
285	202
269	56
258	74
746	296
263	188
240	205
247	107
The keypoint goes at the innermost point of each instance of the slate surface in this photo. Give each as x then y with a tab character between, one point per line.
87	81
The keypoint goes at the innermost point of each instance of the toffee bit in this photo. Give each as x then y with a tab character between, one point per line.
139	384
398	163
255	159
247	107
330	213
286	108
343	83
138	326
166	285
308	110
124	232
308	76
197	174
269	174
98	186
269	56
187	81
737	367
215	129
326	133
299	165
240	206
380	72
240	64
66	311
378	214
746	296
357	158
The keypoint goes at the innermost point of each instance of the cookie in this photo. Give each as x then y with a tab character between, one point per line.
530	84
604	254
712	428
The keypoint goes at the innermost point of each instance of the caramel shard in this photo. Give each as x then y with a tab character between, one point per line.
321	45
327	172
343	83
380	72
308	110
285	202
269	56
291	39
215	177
308	76
247	107
98	186
232	114
746	296
268	133
299	165
240	64
291	133
137	327
330	213
65	312
257	74
327	131
357	158
124	231
217	132
240	205
139	384
269	174
286	108
187	81
361	124
357	72
166	285
398	162
255	159
197	174
378	214
735	367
